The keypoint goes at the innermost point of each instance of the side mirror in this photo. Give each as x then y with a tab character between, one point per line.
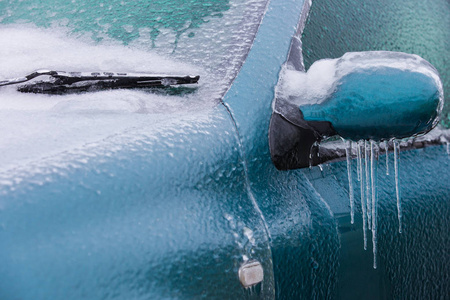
375	95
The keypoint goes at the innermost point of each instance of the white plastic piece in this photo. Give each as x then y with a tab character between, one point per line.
251	273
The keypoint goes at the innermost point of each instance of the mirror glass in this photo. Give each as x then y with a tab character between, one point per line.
368	95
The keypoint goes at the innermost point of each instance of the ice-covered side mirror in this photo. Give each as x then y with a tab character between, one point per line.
375	95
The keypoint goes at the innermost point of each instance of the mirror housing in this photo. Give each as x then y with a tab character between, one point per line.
375	95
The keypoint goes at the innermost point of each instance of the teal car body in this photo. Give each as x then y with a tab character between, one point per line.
172	208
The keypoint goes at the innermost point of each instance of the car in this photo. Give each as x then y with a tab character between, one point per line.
173	192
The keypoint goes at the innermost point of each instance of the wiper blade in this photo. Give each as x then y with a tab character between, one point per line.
61	81
27	77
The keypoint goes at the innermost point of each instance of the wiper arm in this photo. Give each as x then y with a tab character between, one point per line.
61	82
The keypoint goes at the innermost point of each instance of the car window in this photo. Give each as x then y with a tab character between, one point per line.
417	27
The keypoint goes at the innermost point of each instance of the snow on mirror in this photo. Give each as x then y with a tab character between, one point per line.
371	98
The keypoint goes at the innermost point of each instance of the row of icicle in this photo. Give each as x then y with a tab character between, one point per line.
367	153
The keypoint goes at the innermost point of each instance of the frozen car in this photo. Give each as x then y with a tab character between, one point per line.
175	192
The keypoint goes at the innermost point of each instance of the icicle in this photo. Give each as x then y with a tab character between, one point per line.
374	200
368	199
386	148
448	148
397	186
362	187
358	160
348	152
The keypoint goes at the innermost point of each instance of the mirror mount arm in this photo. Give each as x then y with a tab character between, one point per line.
293	141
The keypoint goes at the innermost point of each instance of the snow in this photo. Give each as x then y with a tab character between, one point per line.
312	87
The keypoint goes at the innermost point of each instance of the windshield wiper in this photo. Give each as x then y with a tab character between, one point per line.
61	82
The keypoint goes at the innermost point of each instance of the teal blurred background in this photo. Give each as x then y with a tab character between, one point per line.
335	27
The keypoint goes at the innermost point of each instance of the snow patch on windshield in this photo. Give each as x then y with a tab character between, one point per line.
25	49
35	126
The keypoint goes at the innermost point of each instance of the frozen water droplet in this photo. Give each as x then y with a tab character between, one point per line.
310	160
249	234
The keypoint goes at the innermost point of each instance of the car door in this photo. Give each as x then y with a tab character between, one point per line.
128	193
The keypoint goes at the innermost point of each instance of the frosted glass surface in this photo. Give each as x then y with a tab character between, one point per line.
209	38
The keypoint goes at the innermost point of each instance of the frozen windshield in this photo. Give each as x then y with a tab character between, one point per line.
207	37
210	38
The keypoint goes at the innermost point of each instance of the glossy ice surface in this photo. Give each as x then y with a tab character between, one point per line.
127	194
411	264
142	195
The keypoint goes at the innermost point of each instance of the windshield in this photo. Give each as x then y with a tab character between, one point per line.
210	38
